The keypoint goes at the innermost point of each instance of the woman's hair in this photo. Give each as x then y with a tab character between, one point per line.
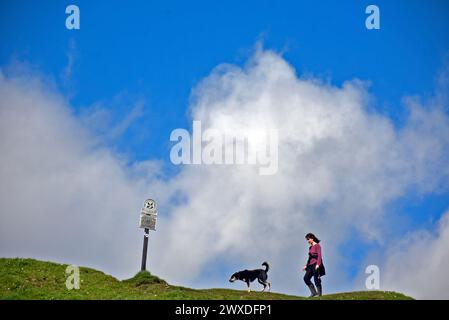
313	237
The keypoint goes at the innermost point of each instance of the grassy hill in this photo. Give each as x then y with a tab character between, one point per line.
33	279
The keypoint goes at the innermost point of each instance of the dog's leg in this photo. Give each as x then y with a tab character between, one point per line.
269	286
247	283
262	283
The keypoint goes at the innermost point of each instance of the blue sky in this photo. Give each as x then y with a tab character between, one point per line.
155	52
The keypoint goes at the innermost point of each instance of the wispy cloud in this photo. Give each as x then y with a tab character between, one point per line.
68	70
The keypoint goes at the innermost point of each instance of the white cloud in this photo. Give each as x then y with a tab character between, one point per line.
418	263
340	165
62	197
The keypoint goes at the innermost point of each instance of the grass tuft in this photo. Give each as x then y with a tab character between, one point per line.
144	278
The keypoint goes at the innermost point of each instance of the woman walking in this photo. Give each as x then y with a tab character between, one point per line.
314	266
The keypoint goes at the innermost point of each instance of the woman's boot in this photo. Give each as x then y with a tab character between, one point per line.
313	292
320	290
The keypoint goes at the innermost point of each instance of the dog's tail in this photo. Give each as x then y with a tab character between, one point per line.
267	266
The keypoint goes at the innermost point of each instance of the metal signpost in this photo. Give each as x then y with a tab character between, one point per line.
148	217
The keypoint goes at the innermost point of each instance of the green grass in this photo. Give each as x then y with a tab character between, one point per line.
33	279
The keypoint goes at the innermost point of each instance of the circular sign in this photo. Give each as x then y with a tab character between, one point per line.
149	205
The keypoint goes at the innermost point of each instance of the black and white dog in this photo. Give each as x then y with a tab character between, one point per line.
249	276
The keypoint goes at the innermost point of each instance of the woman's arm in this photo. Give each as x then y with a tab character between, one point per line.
318	259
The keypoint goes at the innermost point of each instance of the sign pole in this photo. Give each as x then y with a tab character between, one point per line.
145	249
148	217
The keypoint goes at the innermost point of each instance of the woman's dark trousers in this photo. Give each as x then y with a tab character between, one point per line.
311	272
